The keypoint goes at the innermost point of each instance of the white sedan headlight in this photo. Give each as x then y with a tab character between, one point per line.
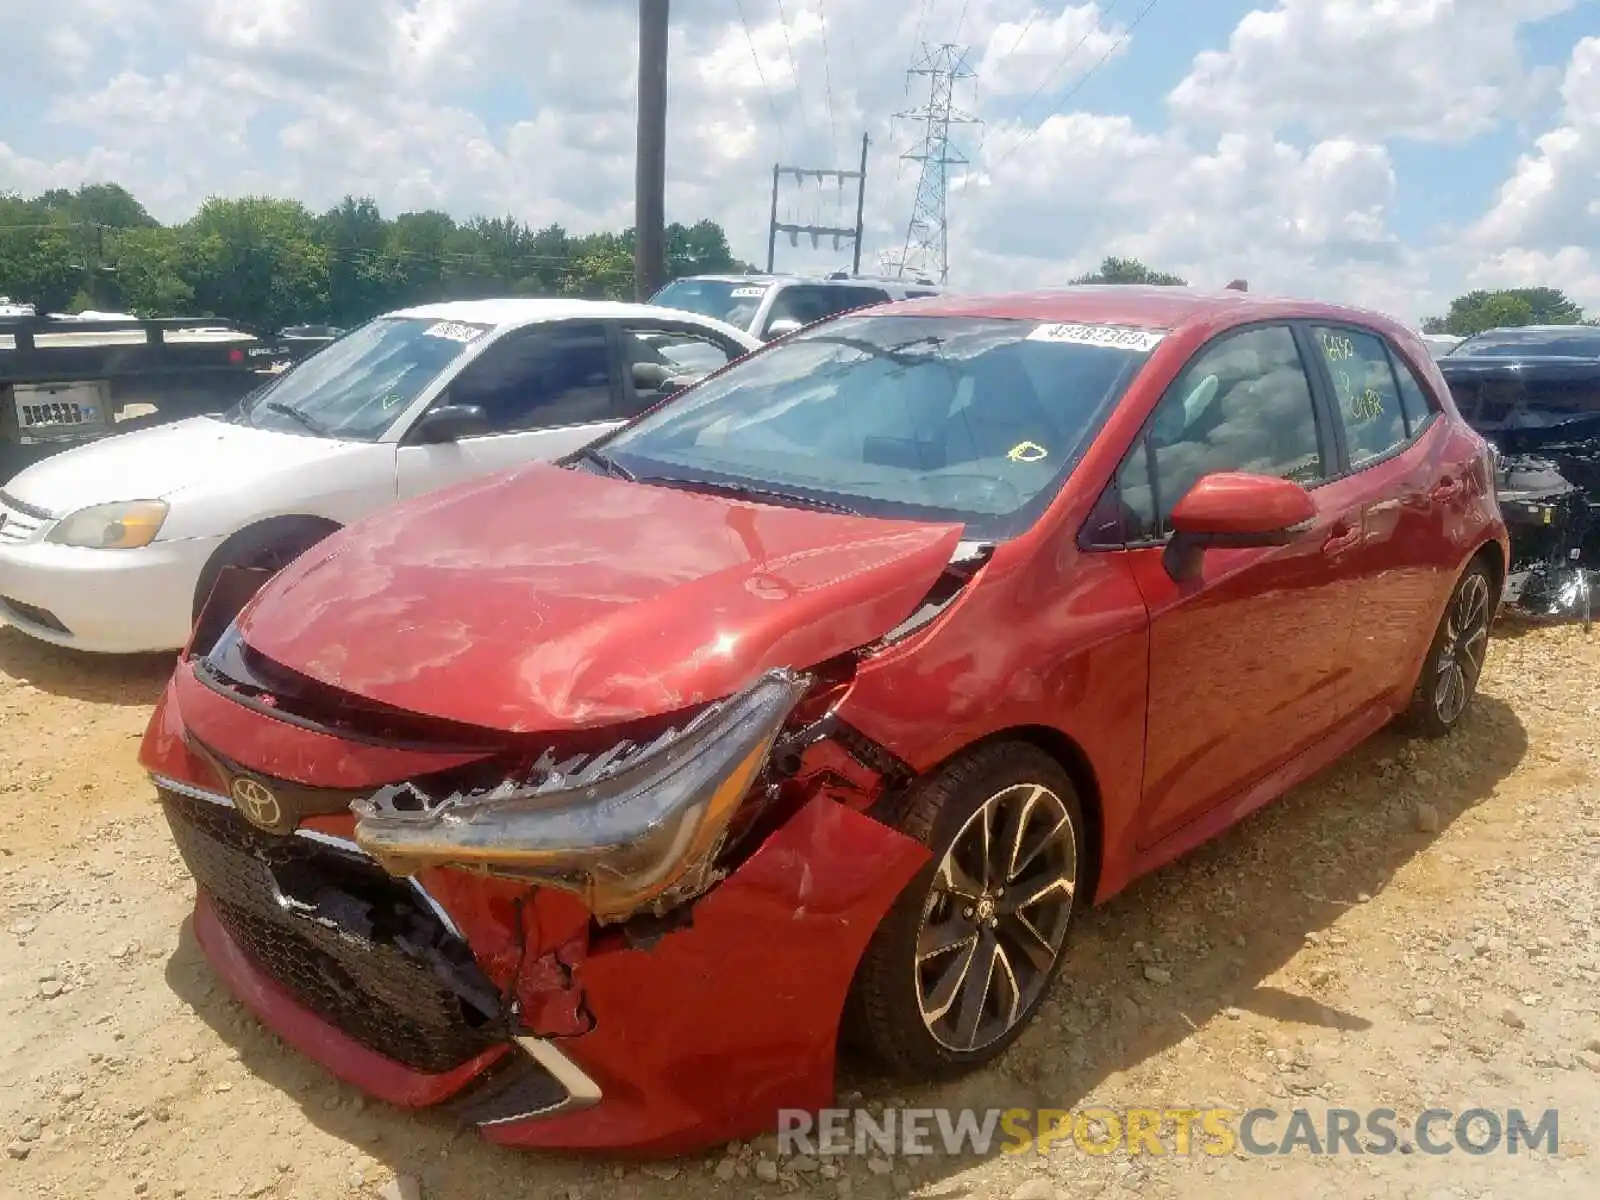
126	525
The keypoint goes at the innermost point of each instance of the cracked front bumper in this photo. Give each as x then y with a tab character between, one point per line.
700	1038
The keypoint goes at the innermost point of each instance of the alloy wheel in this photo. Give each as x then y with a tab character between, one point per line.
996	917
1466	638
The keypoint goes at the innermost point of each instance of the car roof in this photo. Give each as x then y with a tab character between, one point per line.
514	311
1138	305
1580	330
822	280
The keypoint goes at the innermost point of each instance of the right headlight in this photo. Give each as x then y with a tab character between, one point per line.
632	829
126	525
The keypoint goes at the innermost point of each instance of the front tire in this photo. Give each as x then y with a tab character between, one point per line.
962	961
1455	659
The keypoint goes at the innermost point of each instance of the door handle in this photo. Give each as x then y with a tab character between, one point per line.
1446	489
1343	536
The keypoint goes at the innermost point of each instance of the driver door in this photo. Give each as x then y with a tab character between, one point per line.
1249	663
545	390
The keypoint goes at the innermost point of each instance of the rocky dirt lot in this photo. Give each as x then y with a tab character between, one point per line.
1417	928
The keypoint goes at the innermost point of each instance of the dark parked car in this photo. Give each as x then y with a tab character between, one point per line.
591	800
1542	413
1539	341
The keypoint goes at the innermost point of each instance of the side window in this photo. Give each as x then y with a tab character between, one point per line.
1414	402
858	297
803	304
1364	391
540	378
806	304
661	360
1243	405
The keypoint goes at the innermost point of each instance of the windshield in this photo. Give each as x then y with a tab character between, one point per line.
1505	402
1510	343
354	388
963	419
721	299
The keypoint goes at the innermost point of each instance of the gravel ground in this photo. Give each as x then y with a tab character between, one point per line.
1416	928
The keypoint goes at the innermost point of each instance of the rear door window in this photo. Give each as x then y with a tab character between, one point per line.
541	378
1415	403
1364	391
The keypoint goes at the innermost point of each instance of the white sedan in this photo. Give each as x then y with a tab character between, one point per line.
115	545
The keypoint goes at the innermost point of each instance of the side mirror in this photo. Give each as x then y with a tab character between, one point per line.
782	328
1232	509
451	422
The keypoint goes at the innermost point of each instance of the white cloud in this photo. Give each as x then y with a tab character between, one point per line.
1435	70
1279	164
1545	223
1021	57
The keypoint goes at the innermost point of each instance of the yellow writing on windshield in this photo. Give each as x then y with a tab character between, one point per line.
1027	452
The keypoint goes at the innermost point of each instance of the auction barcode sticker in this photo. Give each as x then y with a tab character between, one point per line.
455	331
1120	337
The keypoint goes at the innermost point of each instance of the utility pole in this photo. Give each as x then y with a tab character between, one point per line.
861	206
650	187
927	235
837	233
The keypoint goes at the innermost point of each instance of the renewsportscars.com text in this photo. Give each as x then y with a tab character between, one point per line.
1177	1131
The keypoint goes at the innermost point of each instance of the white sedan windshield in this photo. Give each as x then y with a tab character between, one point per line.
968	419
355	387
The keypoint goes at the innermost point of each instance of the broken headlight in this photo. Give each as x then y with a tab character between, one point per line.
634	828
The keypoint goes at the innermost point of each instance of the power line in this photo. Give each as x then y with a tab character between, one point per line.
1074	89
794	66
827	78
922	28
755	57
1068	57
962	19
1032	17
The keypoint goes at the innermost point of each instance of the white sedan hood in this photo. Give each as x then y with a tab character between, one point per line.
157	463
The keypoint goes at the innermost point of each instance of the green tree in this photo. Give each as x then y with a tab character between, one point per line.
151	271
1480	310
271	263
258	260
1130	270
108	205
362	279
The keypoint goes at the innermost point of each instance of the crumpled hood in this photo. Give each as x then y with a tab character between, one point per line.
549	599
158	462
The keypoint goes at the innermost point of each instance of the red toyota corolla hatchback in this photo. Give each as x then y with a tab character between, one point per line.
594	800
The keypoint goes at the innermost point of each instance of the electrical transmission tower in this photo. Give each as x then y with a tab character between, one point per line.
927	245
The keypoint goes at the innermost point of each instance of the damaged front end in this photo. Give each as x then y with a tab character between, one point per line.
1542	416
634	828
1551	521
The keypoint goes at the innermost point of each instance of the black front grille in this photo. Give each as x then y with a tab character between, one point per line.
358	947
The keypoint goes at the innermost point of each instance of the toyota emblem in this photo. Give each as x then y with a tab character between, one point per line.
256	803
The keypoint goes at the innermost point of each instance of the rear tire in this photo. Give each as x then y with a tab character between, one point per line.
270	546
1454	664
959	966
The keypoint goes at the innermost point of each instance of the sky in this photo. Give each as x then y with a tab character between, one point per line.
1387	153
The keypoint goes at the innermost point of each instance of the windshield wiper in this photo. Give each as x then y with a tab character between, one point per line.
605	462
294	414
744	491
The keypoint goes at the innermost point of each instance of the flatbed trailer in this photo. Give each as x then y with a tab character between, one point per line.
66	380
